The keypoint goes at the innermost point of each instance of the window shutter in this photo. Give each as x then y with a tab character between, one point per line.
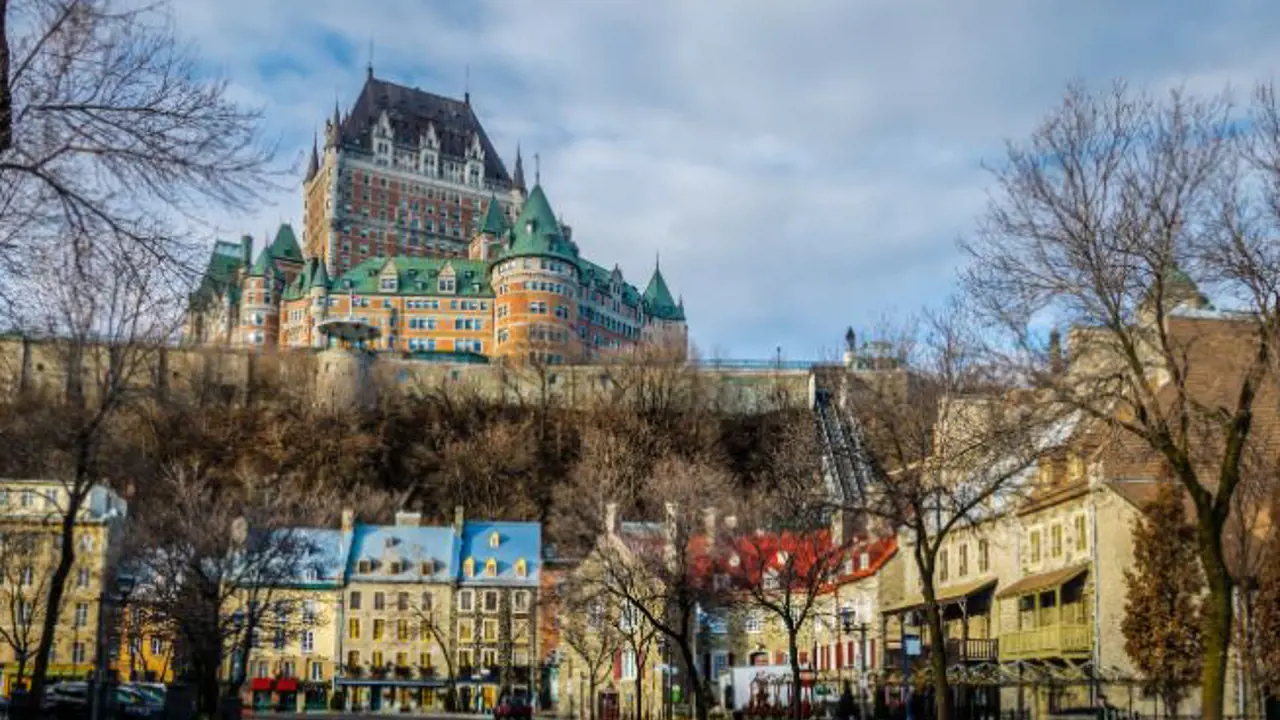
617	665
871	661
839	655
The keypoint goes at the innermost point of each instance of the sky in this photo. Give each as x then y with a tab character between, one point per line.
799	166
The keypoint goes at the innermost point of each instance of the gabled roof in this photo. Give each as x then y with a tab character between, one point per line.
220	275
416	276
411	111
517	541
264	266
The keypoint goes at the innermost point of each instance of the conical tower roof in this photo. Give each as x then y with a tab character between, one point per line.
657	298
313	164
495	223
537	232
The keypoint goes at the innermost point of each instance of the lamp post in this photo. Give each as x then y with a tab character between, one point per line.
849	624
123	587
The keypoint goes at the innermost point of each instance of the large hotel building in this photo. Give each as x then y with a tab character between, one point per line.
413	225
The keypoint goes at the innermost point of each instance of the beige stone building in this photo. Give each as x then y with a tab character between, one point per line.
31	513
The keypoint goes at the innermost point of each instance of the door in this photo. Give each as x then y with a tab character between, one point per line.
608	706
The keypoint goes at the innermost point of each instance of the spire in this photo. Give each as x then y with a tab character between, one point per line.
369	68
658	301
313	165
466	87
517	178
494	223
537	169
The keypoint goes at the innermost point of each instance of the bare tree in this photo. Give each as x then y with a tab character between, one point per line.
945	450
215	564
24	584
591	635
1110	218
429	625
110	131
785	557
663	569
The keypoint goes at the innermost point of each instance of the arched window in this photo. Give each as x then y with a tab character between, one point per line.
469	567
522	568
491	567
494	539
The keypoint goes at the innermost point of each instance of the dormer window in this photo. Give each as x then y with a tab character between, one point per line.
428	568
469	567
446	285
388	283
494	540
363	566
395	568
491	567
522	568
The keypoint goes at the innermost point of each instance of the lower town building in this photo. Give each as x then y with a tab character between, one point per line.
31	514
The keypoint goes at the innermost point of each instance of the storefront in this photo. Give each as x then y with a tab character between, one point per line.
399	695
315	695
260	688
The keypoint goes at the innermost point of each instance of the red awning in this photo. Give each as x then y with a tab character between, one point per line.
287	685
260	684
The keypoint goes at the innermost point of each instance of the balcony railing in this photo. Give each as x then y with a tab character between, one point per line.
1061	640
958	651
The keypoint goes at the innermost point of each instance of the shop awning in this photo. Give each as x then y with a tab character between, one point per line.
287	685
1044	581
947	595
260	684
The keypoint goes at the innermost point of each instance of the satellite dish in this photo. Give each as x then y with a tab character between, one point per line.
239	530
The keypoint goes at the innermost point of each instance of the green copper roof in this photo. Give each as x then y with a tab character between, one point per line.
313	275
658	301
537	232
494	221
319	276
220	275
416	276
263	265
595	276
285	246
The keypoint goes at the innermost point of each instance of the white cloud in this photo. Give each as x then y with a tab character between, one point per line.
800	166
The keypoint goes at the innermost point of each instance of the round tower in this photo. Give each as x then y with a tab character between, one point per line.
536	281
343	367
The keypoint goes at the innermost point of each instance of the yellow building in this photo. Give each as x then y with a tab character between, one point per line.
30	528
146	650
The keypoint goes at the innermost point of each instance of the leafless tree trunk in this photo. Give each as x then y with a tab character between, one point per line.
1111	218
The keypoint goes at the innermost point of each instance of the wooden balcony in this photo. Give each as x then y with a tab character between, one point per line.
958	651
1064	640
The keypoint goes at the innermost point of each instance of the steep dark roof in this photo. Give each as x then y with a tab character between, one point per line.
411	111
658	301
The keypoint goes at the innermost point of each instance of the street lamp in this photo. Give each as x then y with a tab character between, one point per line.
123	587
849	623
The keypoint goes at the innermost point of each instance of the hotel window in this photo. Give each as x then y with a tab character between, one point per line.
1035	546
628	665
491	601
355	600
466	598
466	631
402	659
82	614
424	660
309	612
427	602
317	672
984	556
464	658
28	498
402	630
157	646
353	658
520	601
489	630
402	601
1082	538
308	641
376	660
379	625
943	566
379	601
488	658
1055	535
279	639
964	561
263	669
77	652
754	624
353	628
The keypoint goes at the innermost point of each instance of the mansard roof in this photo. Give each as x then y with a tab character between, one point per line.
537	232
411	111
416	276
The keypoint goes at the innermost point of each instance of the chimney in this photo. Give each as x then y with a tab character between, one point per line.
404	518
246	251
459	517
709	522
611	518
348	519
837	528
1056	365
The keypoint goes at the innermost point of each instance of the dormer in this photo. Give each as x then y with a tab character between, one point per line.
494	539
447	281
429	152
475	151
382	138
491	567
428	567
522	568
469	567
389	278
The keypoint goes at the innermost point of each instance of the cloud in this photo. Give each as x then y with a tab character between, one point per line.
799	167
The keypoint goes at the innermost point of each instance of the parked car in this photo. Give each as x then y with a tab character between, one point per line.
513	708
66	700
